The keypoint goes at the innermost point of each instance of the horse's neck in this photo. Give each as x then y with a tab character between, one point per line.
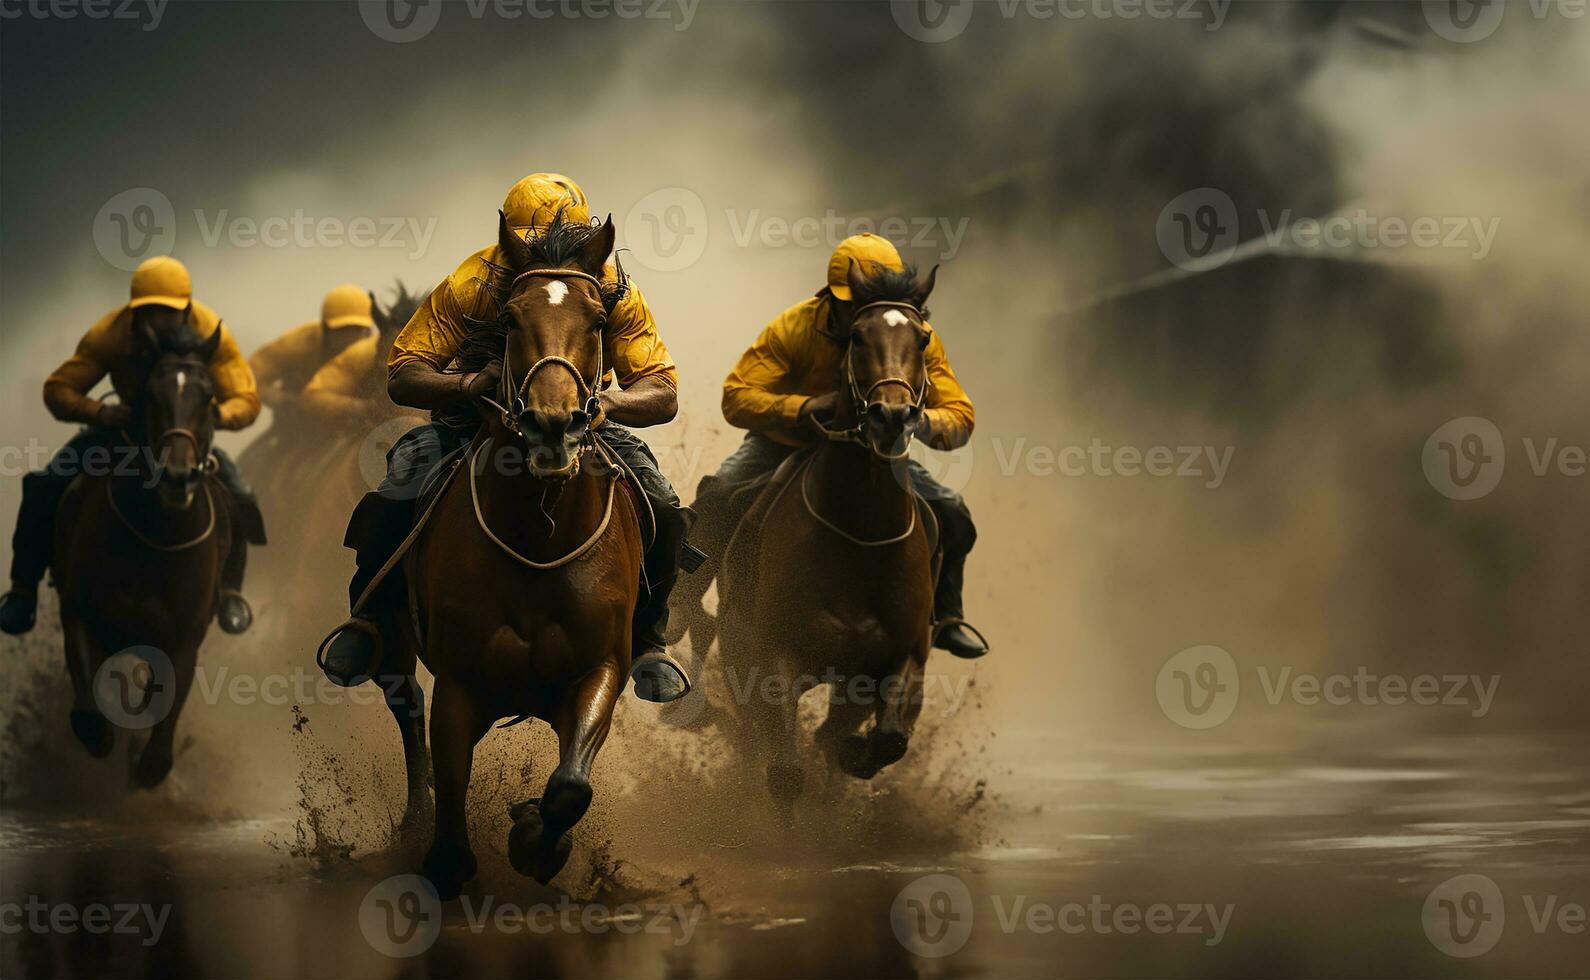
858	491
138	501
541	519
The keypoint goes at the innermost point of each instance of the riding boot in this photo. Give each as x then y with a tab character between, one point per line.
375	531
951	630
232	611
33	542
658	676
248	527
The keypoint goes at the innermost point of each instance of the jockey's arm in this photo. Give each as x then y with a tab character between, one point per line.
649	401
950	417
66	390
419	384
236	395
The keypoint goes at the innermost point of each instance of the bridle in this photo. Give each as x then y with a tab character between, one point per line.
512	406
862	400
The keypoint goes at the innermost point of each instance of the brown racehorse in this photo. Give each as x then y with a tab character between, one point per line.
339	461
526	574
138	553
829	579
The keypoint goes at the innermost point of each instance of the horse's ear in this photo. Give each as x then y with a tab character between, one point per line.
924	288
144	331
514	248
856	278
187	314
210	346
377	314
593	256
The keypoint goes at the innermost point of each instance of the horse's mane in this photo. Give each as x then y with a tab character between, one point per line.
558	246
885	285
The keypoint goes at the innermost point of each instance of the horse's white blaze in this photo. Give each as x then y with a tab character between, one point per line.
556	291
182	381
895	318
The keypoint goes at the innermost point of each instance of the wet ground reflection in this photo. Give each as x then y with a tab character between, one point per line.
1126	862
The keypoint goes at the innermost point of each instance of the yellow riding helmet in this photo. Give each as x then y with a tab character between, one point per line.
161	281
346	306
870	251
531	203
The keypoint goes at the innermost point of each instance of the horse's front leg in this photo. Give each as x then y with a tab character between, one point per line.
838	736
900	704
155	762
539	844
457	724
83	659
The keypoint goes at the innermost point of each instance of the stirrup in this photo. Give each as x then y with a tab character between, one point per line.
362	625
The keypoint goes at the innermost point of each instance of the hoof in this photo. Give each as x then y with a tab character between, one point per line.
854	756
888	748
658	678
528	850
448	870
152	769
95	732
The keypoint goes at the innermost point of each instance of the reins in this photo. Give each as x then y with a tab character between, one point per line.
575	555
210	465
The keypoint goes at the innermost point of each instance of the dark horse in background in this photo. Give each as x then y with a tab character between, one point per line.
139	553
525	577
829	579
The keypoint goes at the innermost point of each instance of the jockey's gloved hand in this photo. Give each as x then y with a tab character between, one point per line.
820	407
485	381
115	415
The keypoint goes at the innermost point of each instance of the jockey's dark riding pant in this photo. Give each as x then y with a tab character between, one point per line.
386	515
100	452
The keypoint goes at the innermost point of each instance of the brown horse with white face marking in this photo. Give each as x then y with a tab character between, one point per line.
525	576
829	579
139	550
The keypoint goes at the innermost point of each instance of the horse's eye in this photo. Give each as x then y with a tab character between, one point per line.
922	340
600	324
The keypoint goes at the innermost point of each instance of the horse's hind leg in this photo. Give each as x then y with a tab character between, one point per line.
539	845
902	703
83	657
406	701
456	725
